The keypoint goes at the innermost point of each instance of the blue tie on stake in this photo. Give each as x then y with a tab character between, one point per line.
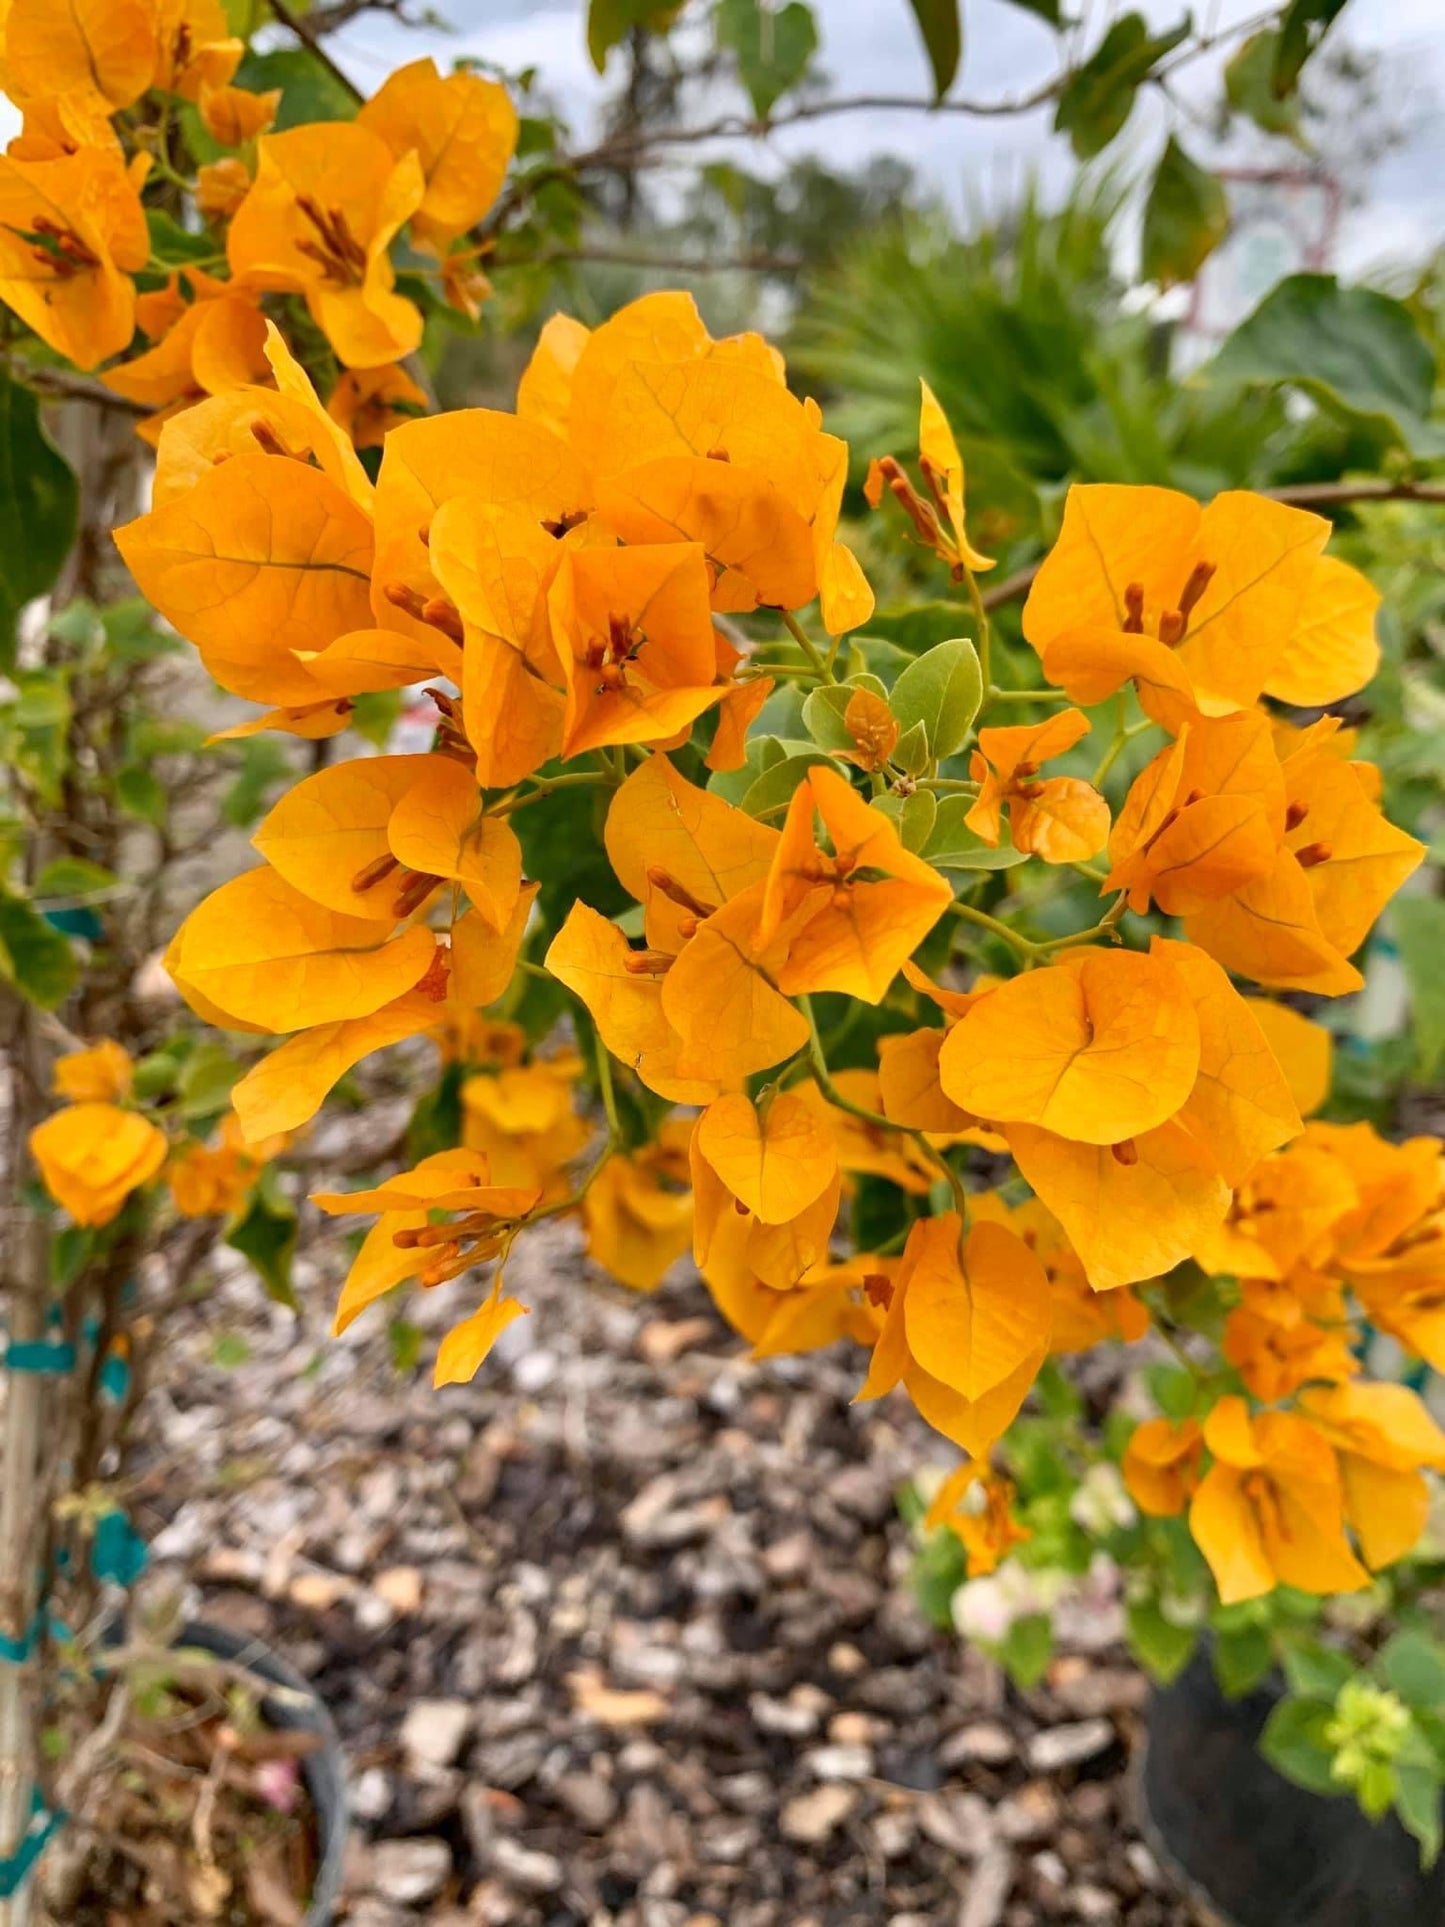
15	1868
47	1357
117	1552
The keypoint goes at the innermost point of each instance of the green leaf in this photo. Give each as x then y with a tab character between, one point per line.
1417	1801
42	701
38	507
918	625
405	1340
912	816
1049	10
205	1081
910	752
1315	1670
1249	86
825	708
1358	353
1305	24
1171	1388
772	48
36	958
940	24
436	1123
244	16
267	1236
610	21
140	793
563	845
954	846
230	1350
1242	1658
71	879
1026	1649
942	690
1294	1743
158	1072
1185	219
70	1251
1418	926
939	1569
131	634
776	785
154	736
1099	96
309	90
1161	1648
173	246
263	765
1414	1665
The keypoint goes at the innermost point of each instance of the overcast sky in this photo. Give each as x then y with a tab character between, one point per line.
870	46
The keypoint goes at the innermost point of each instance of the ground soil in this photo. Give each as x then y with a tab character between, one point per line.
621	1634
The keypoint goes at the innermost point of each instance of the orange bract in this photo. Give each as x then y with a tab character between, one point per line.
1098	1047
91	1156
775	1163
463	130
1162	1465
1224	588
851	915
681	851
976	1504
1270	1510
634	633
967	1328
72	232
257	949
638	1210
99	1074
260	559
326	205
1061	818
1205	818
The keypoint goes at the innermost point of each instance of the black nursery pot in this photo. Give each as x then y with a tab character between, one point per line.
1258	1850
323	1769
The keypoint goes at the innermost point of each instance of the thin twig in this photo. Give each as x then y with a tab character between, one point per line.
1313	495
624	153
309	39
755	263
67	387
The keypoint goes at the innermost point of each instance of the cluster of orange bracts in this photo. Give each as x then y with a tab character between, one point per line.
562	572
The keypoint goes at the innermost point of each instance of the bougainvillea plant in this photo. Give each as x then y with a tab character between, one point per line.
639	622
930	990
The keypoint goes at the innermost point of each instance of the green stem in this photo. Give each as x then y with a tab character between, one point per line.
836	1098
611	1145
608	1091
985	633
805	642
509	805
984	921
1055	698
1107	926
1122	736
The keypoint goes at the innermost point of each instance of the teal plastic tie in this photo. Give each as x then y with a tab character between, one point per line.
115	1378
46	1357
117	1552
15	1652
16	1868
